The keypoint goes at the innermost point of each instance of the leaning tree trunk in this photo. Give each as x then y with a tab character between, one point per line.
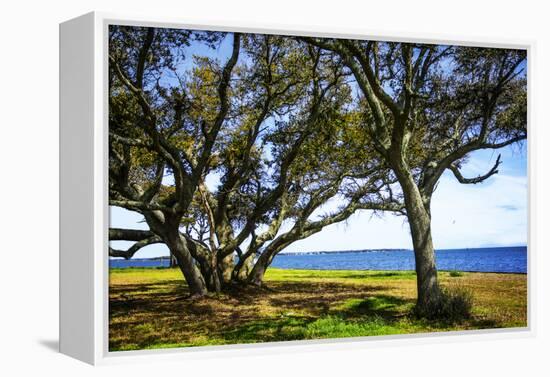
418	213
186	263
256	276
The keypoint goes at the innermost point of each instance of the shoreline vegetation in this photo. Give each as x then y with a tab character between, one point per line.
149	308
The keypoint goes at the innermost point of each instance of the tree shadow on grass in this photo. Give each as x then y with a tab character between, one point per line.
375	315
385	306
145	315
268	330
318	297
357	317
343	317
152	315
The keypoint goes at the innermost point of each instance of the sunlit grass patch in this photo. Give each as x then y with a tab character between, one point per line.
343	276
338	327
456	274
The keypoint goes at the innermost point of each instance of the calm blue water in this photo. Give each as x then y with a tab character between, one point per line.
122	263
498	259
501	259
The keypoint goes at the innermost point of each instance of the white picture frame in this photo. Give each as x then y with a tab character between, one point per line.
84	212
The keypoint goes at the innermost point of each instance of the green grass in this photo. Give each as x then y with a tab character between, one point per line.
148	309
456	274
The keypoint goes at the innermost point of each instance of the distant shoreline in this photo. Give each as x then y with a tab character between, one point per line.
391	250
324	252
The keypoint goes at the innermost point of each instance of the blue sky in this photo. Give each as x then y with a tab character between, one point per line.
493	213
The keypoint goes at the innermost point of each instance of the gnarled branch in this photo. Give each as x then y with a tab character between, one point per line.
119	234
478	179
127	254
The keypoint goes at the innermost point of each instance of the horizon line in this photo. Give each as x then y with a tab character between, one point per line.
359	250
402	248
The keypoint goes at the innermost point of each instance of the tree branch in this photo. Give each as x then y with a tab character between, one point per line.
362	81
119	234
140	69
135	205
127	254
494	170
210	135
373	81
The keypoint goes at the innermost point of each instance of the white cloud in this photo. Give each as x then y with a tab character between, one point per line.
492	213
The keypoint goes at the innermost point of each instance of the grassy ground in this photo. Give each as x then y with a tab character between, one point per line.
148	309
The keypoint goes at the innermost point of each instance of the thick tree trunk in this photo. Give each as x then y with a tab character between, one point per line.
426	272
168	229
225	268
243	268
209	273
213	281
418	213
186	263
206	262
256	276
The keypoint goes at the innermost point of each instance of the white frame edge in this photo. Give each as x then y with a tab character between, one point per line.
76	212
83	174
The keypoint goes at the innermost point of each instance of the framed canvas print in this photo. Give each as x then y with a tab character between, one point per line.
230	188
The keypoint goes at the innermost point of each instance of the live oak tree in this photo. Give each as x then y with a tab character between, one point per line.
426	109
150	116
312	155
273	85
305	167
263	123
